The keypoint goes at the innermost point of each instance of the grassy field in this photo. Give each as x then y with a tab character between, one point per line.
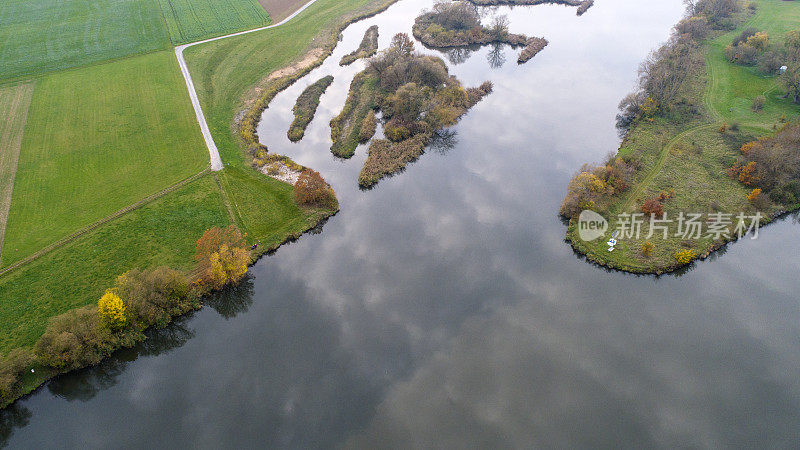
733	87
14	103
192	20
98	139
45	35
163	232
692	157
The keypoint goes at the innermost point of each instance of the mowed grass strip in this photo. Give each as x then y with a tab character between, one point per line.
44	35
162	233
98	139
734	87
192	20
14	102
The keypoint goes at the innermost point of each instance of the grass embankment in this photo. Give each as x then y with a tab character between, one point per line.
14	103
690	155
190	21
163	232
87	153
306	107
367	48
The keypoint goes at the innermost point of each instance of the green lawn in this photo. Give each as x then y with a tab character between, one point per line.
44	35
98	139
193	20
734	87
163	232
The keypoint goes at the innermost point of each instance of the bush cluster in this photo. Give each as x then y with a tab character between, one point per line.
594	186
771	164
311	190
458	24
532	48
12	367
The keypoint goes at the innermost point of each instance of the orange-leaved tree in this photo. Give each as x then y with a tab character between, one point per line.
222	257
312	190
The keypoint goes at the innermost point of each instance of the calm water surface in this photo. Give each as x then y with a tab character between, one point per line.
442	309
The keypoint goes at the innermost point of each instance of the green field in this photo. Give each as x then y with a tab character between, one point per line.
163	232
191	20
45	35
14	103
98	139
692	157
733	87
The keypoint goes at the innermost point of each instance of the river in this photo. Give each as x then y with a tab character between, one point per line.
443	309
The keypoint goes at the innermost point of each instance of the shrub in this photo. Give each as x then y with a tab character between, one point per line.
12	366
685	256
734	126
758	103
222	257
747	174
312	190
368	127
154	296
744	36
77	339
653	207
723	128
786	194
112	311
647	249
754	195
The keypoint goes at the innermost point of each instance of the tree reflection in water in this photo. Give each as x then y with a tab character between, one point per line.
15	416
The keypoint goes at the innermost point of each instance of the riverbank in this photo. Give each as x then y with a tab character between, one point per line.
677	162
240	189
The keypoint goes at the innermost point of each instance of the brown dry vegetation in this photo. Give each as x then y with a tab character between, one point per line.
367	48
306	107
458	24
532	48
583	5
281	9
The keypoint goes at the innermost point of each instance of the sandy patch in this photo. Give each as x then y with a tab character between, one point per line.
308	60
280	171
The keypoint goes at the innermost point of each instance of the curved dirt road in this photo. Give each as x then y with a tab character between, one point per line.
216	161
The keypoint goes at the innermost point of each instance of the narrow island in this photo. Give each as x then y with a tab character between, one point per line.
367	48
306	107
703	161
416	97
458	25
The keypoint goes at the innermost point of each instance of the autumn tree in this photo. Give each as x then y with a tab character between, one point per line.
222	257
12	366
312	190
653	207
112	311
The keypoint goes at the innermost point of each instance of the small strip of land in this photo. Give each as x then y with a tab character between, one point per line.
306	107
14	102
367	48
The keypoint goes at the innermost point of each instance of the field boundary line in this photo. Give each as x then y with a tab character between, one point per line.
132	207
213	151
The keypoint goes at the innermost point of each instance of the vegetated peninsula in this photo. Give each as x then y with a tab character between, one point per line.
306	107
710	143
583	5
415	96
367	48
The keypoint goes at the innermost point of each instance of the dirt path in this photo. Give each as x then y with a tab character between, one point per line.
216	160
14	103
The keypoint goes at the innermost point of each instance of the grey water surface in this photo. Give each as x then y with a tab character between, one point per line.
442	309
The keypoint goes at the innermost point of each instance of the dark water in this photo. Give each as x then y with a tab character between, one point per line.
443	309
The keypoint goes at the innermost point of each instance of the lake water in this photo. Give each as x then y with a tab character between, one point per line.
443	309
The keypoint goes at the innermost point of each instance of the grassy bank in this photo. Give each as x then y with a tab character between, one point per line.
683	158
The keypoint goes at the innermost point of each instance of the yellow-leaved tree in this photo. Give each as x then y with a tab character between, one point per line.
222	257
112	311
